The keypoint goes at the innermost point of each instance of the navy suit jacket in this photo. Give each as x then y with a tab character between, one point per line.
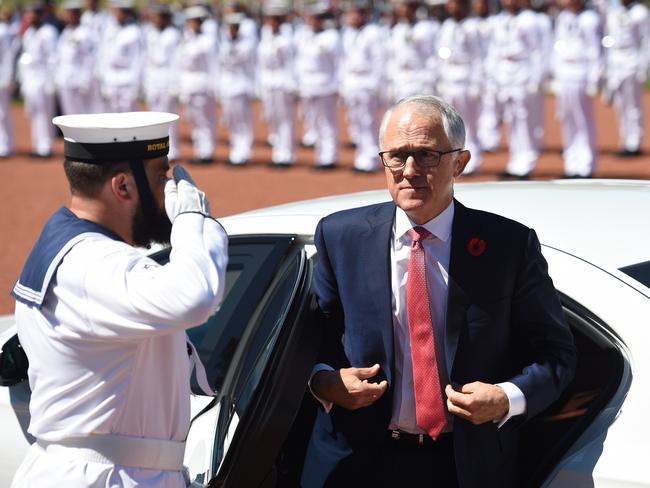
504	323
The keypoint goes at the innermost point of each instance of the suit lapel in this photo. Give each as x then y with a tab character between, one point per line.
376	254
457	301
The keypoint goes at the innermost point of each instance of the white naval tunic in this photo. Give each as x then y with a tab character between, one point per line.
108	351
36	67
362	78
627	57
460	74
9	47
277	83
121	67
237	60
161	78
577	68
75	69
412	66
317	66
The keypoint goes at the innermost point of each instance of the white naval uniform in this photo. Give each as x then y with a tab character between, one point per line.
516	68
362	79
9	47
545	32
122	64
577	67
627	59
237	60
98	22
108	356
36	65
317	66
460	74
277	84
412	59
161	78
196	61
75	69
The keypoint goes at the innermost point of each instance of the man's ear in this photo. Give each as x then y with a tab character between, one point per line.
461	161
122	186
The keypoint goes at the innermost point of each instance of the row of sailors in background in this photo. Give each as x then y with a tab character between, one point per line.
494	68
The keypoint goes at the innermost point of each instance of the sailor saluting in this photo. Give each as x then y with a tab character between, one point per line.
104	326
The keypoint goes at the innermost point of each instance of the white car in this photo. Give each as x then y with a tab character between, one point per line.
259	347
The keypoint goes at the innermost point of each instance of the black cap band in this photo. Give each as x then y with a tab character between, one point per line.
115	151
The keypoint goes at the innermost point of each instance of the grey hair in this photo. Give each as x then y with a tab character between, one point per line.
428	105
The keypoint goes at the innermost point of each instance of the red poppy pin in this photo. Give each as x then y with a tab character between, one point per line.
476	246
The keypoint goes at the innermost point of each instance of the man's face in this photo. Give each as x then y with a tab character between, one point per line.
156	229
72	17
421	193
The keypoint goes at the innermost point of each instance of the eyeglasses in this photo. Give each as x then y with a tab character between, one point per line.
425	158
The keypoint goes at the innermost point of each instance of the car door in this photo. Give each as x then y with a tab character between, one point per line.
258	350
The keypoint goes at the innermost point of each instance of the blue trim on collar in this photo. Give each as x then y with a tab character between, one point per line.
61	233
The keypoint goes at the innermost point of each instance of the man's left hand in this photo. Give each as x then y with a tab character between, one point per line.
478	402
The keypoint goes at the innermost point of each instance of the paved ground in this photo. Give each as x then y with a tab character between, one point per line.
33	189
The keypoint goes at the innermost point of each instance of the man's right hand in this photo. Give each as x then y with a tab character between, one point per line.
182	195
349	387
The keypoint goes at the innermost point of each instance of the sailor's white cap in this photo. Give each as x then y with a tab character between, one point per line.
196	12
319	7
122	4
276	8
234	18
115	136
73	5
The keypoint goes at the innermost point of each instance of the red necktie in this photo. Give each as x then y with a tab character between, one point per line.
429	408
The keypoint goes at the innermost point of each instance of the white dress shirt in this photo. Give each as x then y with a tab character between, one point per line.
437	248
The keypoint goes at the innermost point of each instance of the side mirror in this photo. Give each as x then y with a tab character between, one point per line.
13	363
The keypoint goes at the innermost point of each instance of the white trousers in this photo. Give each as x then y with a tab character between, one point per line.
362	107
323	109
575	112
279	113
489	130
538	103
628	101
238	119
39	105
164	102
469	108
517	106
201	112
6	123
120	99
308	116
74	100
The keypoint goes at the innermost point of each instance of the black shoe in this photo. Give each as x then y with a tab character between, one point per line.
304	144
364	171
237	165
40	156
507	176
282	165
350	145
572	176
325	167
626	153
201	161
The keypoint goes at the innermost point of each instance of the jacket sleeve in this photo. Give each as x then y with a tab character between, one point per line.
538	319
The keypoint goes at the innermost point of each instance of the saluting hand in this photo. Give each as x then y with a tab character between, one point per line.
478	402
182	195
349	387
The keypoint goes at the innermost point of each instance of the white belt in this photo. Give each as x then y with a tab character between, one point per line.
135	452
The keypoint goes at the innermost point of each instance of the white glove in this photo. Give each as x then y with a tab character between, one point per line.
182	195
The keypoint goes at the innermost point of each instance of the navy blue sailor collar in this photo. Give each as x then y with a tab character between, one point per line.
61	233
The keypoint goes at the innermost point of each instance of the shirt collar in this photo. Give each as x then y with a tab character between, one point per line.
439	226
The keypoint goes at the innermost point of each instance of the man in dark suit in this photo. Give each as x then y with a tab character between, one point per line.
442	329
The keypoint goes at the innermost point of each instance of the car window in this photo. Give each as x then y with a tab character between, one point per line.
639	271
252	264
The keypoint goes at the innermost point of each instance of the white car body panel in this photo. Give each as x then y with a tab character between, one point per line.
588	230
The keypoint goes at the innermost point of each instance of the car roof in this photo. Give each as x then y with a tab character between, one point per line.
605	222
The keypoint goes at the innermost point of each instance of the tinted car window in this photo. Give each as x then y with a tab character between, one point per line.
639	271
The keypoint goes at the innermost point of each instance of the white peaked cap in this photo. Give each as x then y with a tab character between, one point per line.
319	7
275	7
196	12
73	5
115	136
122	4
